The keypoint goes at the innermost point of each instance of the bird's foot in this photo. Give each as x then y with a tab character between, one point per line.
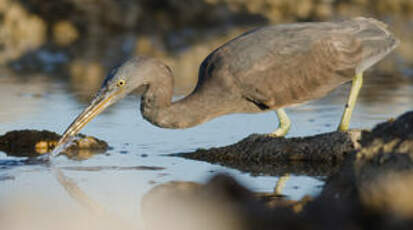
283	126
281	184
280	132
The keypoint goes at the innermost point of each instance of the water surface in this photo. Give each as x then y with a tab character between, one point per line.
113	180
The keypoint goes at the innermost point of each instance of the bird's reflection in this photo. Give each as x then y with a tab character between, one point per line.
77	193
191	201
74	191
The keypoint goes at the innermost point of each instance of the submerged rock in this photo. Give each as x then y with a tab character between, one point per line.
31	143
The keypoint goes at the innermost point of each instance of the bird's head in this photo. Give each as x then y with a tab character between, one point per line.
121	81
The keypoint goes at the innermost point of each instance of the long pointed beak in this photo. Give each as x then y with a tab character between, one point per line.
99	103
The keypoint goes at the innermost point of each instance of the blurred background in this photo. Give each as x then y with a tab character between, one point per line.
78	41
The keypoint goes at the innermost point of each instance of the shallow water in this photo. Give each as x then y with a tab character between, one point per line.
116	179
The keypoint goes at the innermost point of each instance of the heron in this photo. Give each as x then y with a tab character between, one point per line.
265	69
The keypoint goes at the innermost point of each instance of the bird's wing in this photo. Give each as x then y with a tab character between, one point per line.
276	45
281	66
300	61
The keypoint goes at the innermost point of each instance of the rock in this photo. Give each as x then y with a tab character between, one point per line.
220	204
32	143
368	192
372	190
384	167
314	155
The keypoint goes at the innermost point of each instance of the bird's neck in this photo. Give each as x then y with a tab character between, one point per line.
157	107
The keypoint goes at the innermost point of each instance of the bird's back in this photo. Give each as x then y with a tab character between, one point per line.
376	42
284	64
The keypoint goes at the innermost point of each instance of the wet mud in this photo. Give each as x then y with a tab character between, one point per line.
32	143
371	190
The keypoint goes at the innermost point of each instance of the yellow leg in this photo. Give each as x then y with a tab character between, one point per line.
280	184
284	124
351	102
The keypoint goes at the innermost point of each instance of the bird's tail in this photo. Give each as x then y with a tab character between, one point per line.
376	41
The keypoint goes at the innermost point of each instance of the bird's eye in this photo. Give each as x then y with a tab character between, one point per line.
121	83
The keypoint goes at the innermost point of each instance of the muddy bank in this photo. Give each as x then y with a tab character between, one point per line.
32	143
372	190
